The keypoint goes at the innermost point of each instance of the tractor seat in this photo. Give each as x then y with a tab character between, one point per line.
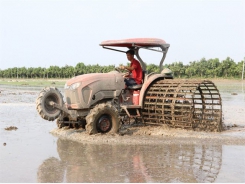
138	86
135	87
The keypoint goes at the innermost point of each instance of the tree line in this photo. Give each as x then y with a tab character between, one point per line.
211	68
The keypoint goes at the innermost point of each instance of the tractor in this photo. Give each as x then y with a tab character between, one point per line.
100	102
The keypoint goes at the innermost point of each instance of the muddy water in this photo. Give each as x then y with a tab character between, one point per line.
32	154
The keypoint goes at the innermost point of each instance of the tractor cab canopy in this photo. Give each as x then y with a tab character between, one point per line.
152	44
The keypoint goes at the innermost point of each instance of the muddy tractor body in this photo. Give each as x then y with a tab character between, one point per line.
99	102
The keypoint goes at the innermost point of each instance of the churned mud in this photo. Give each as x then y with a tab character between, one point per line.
35	150
155	135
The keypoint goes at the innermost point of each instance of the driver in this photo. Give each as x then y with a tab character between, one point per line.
134	68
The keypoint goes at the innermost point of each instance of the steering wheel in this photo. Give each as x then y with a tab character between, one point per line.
122	71
119	69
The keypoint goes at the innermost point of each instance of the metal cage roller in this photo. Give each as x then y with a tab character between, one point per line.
188	104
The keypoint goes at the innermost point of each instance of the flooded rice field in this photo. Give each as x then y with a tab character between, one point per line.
34	150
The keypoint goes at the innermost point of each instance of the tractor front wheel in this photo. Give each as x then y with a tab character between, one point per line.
45	110
103	118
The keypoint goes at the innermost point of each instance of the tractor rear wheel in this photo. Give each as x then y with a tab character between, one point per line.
103	118
45	110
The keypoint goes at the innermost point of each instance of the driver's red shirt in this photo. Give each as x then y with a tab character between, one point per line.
137	72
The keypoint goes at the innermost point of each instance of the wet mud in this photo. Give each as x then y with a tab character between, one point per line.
34	150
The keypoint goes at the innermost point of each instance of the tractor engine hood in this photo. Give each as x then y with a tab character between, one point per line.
109	79
85	90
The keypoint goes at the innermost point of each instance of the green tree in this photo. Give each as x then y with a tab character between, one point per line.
191	69
227	67
213	69
178	69
152	68
80	68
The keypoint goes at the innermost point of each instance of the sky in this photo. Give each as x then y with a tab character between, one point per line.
44	33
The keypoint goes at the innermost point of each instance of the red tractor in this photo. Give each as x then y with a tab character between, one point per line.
100	103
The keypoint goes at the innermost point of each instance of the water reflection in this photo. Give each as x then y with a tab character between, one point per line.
123	163
51	170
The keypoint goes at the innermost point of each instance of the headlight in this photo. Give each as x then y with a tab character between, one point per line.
73	86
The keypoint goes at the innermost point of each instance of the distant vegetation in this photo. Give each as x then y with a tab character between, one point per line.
212	68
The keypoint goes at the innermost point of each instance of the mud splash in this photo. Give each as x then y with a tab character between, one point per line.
154	135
